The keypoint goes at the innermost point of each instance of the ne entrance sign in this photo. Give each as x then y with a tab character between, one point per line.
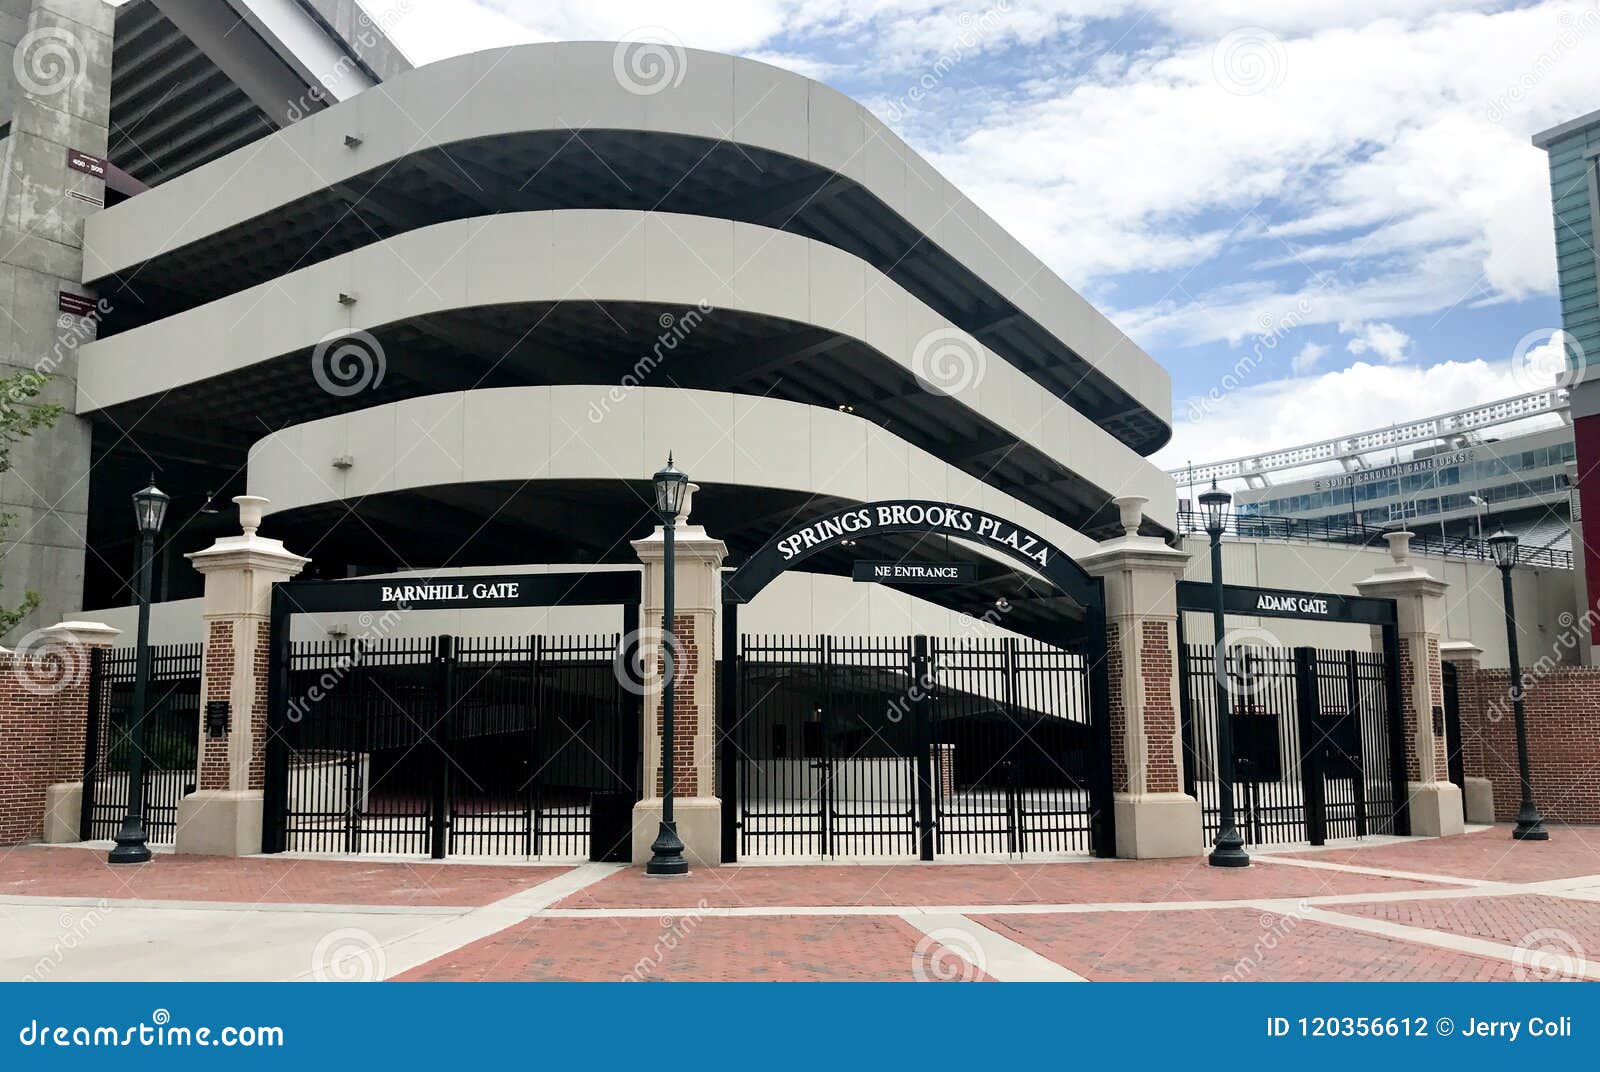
915	572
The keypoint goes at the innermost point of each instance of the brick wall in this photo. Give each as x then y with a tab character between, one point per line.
685	712
1563	714
44	702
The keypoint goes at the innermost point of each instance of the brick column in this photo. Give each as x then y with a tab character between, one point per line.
1154	816
1419	601
223	817
44	706
1467	658
697	596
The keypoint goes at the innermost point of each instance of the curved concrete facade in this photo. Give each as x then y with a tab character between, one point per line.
574	87
596	255
532	434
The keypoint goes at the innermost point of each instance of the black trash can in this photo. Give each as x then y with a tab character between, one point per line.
611	827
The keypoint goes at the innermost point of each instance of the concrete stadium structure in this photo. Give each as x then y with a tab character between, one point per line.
536	274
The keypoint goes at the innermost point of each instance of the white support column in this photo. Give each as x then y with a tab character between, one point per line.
1434	800
223	816
697	595
1154	816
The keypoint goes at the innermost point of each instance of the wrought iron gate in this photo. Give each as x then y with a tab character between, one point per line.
1316	741
171	741
915	746
524	746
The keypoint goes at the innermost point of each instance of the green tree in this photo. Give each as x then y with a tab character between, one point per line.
21	414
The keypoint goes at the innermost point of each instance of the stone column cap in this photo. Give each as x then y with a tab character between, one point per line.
82	634
1134	552
689	541
1459	651
248	552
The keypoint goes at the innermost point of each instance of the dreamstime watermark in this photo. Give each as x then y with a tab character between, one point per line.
369	31
345	363
641	659
74	929
949	955
48	60
675	328
1275	927
1549	955
48	662
674	931
1245	672
1249	60
1570	31
1574	631
948	361
648	60
374	628
1272	330
349	955
1546	358
157	1032
972	31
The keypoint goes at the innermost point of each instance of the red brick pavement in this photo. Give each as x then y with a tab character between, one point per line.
698	948
1486	854
36	871
1232	943
913	884
1501	919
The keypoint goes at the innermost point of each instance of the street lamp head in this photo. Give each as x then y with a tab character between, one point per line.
1503	545
671	485
1214	504
150	508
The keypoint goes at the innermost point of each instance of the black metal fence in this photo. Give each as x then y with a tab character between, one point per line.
171	740
1340	529
1315	737
524	746
852	746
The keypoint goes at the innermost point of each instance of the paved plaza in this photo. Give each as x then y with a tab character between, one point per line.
1476	906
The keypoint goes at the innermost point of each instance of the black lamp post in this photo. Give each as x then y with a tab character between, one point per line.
666	852
150	510
1530	825
1228	851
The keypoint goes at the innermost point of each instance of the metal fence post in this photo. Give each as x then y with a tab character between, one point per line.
1306	709
444	654
91	741
922	734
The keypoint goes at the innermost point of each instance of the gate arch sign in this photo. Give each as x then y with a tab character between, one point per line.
790	548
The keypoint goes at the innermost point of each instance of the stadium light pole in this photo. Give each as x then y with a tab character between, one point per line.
1228	850
666	852
1530	825
149	510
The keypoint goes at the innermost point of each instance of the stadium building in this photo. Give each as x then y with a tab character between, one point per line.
433	330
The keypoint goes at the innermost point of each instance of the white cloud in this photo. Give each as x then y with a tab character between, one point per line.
1383	340
1387	151
1308	357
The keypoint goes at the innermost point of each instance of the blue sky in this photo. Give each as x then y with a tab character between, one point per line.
1341	194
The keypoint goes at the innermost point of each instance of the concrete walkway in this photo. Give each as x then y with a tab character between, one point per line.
1479	906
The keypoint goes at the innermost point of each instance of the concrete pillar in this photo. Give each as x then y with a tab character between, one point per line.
697	596
69	646
1419	600
1154	816
1467	658
55	97
1580	566
223	817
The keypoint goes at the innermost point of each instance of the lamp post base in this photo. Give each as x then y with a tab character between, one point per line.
666	853
1229	850
1530	825
131	847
